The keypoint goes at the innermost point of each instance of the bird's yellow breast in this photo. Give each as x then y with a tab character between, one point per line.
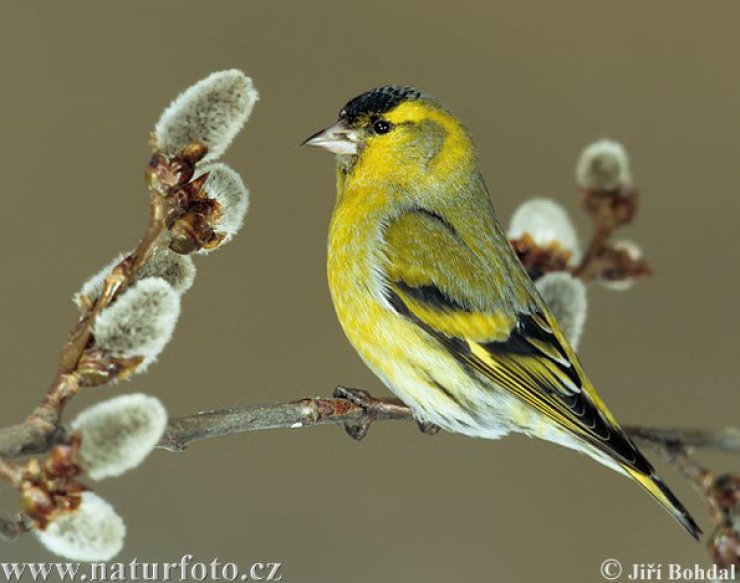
354	256
406	360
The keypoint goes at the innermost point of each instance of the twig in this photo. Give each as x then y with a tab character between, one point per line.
726	439
66	384
610	210
42	428
312	412
309	412
27	439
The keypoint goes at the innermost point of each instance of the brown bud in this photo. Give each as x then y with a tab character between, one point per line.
194	152
611	208
724	546
193	230
164	174
182	171
96	369
32	470
620	263
189	233
37	503
62	460
195	187
724	496
540	259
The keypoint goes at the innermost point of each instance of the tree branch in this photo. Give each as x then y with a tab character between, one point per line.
309	412
313	412
726	439
360	409
42	429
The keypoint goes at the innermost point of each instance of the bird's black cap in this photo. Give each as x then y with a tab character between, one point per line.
377	102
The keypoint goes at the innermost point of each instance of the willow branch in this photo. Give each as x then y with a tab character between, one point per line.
309	412
313	412
28	438
726	439
66	383
31	438
42	429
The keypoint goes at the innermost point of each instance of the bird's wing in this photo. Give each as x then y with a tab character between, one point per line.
433	278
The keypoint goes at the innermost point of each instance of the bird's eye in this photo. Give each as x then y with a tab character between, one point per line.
381	126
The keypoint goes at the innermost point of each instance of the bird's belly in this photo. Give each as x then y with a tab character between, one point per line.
437	387
421	373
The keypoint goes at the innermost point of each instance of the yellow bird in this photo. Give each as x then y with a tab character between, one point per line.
435	301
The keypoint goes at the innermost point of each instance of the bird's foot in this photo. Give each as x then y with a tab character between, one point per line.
357	430
428	428
373	408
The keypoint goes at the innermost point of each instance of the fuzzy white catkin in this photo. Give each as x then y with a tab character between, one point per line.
177	270
92	532
226	186
140	322
212	111
565	296
118	434
603	165
546	222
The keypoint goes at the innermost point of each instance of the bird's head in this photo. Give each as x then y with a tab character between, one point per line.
396	132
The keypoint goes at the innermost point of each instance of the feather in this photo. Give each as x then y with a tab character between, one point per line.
454	296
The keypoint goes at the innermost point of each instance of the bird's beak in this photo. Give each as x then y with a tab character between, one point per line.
339	139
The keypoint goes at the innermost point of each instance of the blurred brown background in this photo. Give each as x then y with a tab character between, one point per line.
83	84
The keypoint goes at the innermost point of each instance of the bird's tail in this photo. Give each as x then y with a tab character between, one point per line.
658	490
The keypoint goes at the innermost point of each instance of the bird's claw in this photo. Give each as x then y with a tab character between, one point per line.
357	430
373	408
428	428
359	397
